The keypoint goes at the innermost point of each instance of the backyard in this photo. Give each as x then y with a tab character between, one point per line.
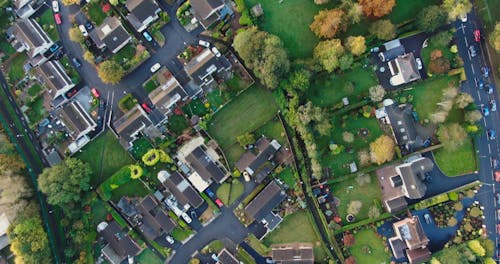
132	188
349	190
94	12
148	257
368	248
37	111
462	161
105	156
46	20
16	70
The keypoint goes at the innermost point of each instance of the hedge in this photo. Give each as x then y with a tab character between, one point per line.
438	199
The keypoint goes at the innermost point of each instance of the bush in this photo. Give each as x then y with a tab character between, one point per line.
135	171
127	102
246	18
432	201
151	157
453	196
240	5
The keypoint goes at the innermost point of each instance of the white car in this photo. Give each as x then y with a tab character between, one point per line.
83	30
216	52
203	43
55	6
155	67
170	240
463	17
186	218
419	63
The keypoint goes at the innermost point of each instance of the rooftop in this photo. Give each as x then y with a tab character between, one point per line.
266	150
130	124
141	11
293	253
112	33
164	97
205	8
76	119
207	168
31	33
54	76
202	66
155	221
119	241
180	188
269	198
225	257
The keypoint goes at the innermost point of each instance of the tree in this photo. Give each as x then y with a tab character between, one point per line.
476	248
345	61
75	35
495	37
363	179
194	261
350	260
323	127
383	29
356	45
353	11
373	212
113	2
110	72
377	93
348	240
442	39
89	57
354	207
430	18
327	54
6	147
456	8
28	241
135	171
450	93
13	199
439	117
64	183
245	139
11	163
151	158
439	65
309	112
377	8
70	2
382	149
451	136
300	80
327	23
364	158
264	53
348	137
463	100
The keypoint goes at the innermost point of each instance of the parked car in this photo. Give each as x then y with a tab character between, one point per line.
55	6
71	93
493	105
54	47
477	35
186	218
497	176
498	198
427	218
147	36
419	63
89	26
146	108
485	110
498	229
472	51
486	71
494	163
480	83
498	214
210	193
83	30
219	202
76	62
170	240
155	67
489	88
57	18
203	43
491	135
216	52
95	93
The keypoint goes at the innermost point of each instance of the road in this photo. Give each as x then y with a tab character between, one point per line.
487	148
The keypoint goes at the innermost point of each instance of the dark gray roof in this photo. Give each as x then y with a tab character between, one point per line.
398	248
112	33
204	65
119	241
267	150
392	53
130	123
140	11
205	8
205	166
76	119
413	175
396	204
54	76
225	257
31	33
403	126
127	207
155	221
270	197
180	188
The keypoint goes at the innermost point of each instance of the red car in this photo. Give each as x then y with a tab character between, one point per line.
477	35
498	228
58	19
146	108
95	92
497	176
71	93
219	202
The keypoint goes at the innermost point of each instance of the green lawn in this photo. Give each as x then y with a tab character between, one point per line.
140	147
177	124
34	90
6	47
148	257
105	155
150	85
244	257
133	188
459	162
300	223
406	10
257	245
195	107
216	98
349	190
37	111
16	71
99	211
237	189
247	112
329	89
368	248
95	13
47	22
124	56
180	234
233	153
272	129
223	192
288	177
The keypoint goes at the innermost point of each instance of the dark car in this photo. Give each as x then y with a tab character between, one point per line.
491	134
76	62
210	193
54	47
498	229
89	26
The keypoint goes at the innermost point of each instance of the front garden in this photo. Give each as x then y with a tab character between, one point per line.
230	192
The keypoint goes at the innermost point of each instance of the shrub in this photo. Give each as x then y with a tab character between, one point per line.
453	196
347	137
354	207
476	248
246	19
135	171
151	157
164	157
458	206
452	222
475	212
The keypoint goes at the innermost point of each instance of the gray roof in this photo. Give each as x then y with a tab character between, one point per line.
225	257
166	96
130	124
53	75
408	67
396	204
76	119
392	53
398	247
127	207
180	188
119	241
140	11
270	197
204	65
155	221
403	125
413	175
205	8
112	33
296	253
31	33
205	166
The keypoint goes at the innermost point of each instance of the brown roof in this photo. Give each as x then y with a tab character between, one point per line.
411	232
418	255
292	253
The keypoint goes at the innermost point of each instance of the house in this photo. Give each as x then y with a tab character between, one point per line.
155	221
203	67
130	125
410	241
207	12
403	181
78	124
26	8
111	35
27	35
142	13
4	225
261	207
226	257
53	76
261	163
179	192
402	65
299	253
120	246
166	96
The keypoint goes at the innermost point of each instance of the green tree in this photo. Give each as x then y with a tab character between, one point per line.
70	2
451	136
75	35
345	62
377	93
456	8
28	241
431	17
353	11
356	45
110	72
327	23
327	54
245	139
63	184
89	57
151	157
476	248
300	80
383	29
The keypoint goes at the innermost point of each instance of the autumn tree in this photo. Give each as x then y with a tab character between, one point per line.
245	139
354	207
451	136
374	212
323	127
495	37
327	23
383	29
327	54
377	8
348	239
431	17
476	248
463	100
356	45
70	2
350	260
438	64
110	72
75	35
456	8
89	57
15	198
353	11
28	241
382	149
377	93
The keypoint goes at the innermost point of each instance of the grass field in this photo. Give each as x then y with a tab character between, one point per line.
133	188
37	111
329	89
35	89
16	71
148	257
247	112
230	192
180	234
98	211
458	162
369	248
366	194
105	155
95	13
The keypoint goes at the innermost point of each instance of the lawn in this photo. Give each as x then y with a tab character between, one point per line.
195	107
247	112
459	162
329	89
177	124
133	188
288	177
368	248
125	55
6	47
148	257
99	211
34	90
16	70
272	129
95	13
244	257
303	231
37	111
151	85
257	245
233	153
230	192
290	21
180	234
406	10
105	156
349	190
46	20
70	70
223	192
140	147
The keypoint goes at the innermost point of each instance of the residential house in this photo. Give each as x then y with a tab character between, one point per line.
259	164
207	12
53	76
179	193
129	126
26	8
203	67
27	35
261	207
226	257
292	253
403	181
402	65
410	241
111	35
142	13
166	96
155	221
4	225
78	124
120	246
